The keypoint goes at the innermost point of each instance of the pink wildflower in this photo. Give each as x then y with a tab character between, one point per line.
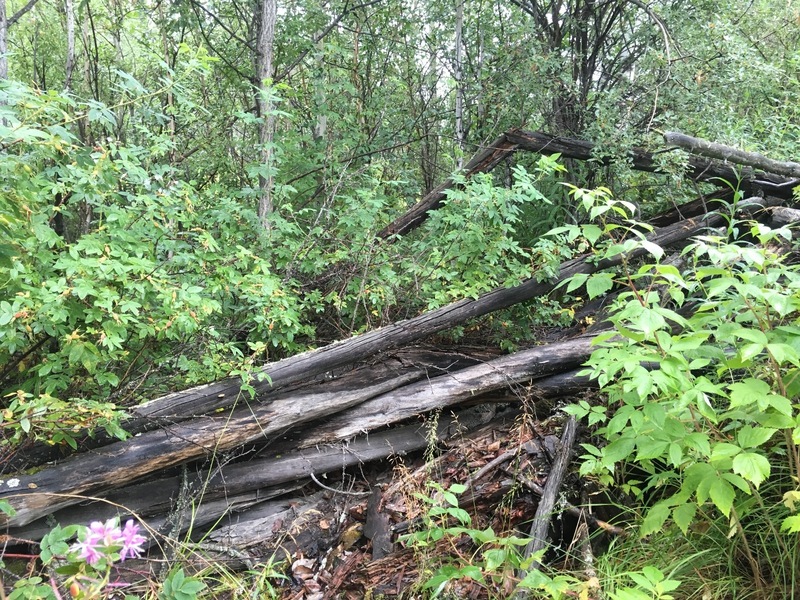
88	550
131	541
108	533
101	539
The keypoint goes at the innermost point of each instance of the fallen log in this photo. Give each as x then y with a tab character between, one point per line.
542	143
115	465
158	413
285	469
697	168
304	366
547	502
735	155
448	390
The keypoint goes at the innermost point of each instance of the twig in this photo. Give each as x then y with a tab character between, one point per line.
504	457
334	490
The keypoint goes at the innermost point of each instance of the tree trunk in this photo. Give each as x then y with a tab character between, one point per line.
266	18
3	41
70	64
458	76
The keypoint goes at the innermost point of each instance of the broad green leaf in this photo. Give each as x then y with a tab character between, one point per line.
683	516
751	466
750	437
599	284
655	519
618	450
722	495
576	281
791	524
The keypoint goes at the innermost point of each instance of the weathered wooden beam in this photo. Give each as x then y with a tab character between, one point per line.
454	388
95	472
643	160
547	502
735	155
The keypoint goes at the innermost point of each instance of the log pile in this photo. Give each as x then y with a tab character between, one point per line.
248	475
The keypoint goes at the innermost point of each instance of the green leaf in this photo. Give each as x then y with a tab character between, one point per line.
748	392
655	519
791	524
598	284
495	558
722	495
683	515
751	466
619	449
576	281
750	437
654	249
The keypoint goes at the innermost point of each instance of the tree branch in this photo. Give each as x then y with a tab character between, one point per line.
21	12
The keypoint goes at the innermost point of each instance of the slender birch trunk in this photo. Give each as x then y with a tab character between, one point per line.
266	18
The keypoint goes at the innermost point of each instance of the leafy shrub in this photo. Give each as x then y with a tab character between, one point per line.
701	373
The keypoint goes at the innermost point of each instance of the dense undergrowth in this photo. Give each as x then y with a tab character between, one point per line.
120	281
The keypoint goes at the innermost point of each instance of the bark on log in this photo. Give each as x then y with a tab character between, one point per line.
114	466
159	413
781	215
642	160
124	462
729	154
263	478
451	389
547	502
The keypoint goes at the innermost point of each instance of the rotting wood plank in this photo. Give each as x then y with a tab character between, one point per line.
124	462
450	389
285	464
426	362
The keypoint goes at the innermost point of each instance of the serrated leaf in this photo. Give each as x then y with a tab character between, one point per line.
791	524
752	466
753	437
494	558
576	281
683	516
619	449
655	519
722	495
598	284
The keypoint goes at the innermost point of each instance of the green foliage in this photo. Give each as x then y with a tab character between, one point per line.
494	557
177	586
32	588
91	309
699	372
